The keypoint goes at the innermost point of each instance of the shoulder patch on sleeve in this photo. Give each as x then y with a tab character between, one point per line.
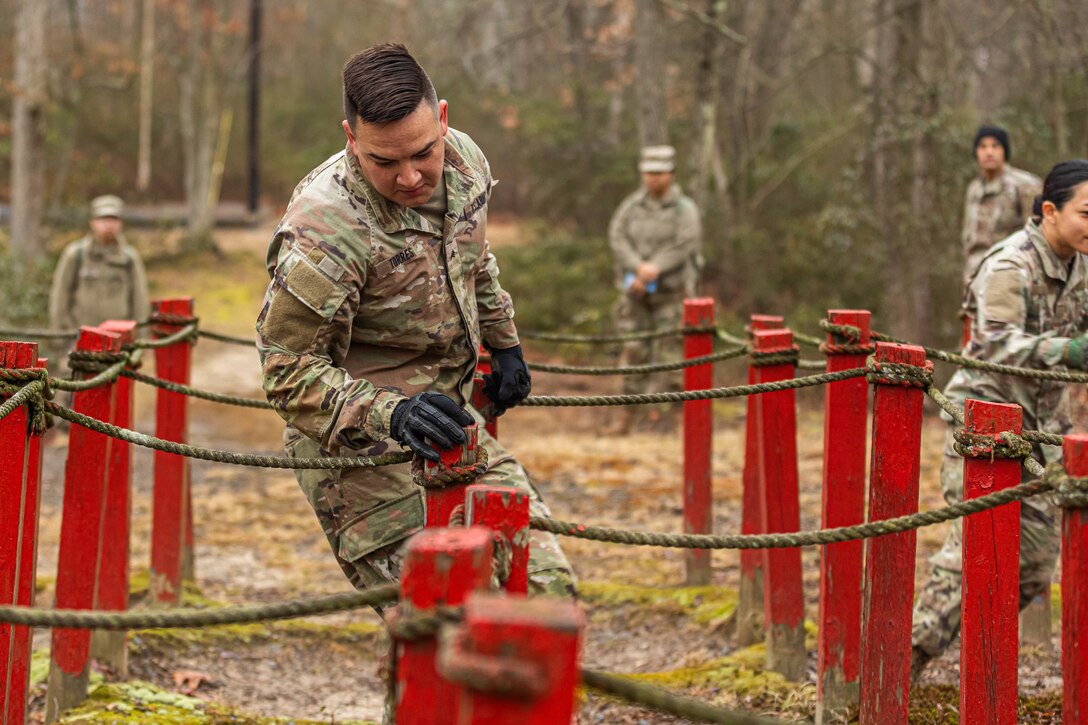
1002	298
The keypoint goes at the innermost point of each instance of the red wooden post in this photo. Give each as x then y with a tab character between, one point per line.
1075	591
80	533
698	439
505	511
112	593
20	467
441	567
846	407
783	598
989	607
889	588
439	503
171	510
480	401
516	660
750	600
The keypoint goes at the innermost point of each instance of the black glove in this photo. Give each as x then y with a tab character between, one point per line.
509	383
428	415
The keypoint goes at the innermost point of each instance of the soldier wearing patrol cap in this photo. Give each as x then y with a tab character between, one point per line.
383	287
99	277
656	243
1029	308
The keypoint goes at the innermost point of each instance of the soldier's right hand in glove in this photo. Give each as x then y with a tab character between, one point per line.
1076	353
428	415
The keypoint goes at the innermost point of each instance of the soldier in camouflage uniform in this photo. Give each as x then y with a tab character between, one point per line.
656	243
1029	305
99	277
383	288
999	199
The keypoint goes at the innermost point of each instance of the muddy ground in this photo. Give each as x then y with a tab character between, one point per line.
258	541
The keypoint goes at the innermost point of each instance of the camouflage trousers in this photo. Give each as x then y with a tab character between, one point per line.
661	311
937	611
368	537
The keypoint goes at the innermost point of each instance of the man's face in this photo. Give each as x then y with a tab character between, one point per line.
657	182
402	159
106	229
990	155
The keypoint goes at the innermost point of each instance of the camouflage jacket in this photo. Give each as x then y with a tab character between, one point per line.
994	210
664	232
96	282
369	303
1026	303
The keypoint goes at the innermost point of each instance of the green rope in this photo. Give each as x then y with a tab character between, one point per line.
217	456
32	395
966	362
196	392
676	397
186	618
187	333
794	539
247	342
661	700
107	376
619	337
809	340
811	365
639	369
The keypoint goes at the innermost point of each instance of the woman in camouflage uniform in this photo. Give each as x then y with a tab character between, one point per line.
1029	306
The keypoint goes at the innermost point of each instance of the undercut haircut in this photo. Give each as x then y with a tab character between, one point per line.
384	83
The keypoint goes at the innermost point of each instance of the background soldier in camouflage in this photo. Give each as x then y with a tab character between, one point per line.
999	199
383	288
1029	304
656	241
99	277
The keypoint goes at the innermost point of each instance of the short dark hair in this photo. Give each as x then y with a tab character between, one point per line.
1061	184
997	134
384	83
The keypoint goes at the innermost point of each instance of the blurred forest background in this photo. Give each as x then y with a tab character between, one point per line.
827	142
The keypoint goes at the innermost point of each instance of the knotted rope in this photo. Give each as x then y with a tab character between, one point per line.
450	475
29	387
761	359
892	373
982	446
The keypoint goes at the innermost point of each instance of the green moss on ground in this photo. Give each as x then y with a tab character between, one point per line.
940	705
704	605
141	702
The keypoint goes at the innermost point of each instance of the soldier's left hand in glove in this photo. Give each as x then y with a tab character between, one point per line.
509	382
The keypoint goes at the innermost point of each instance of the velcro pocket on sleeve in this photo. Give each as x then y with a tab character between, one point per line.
382	525
1003	299
305	281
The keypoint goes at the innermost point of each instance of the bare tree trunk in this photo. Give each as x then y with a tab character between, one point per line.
27	162
147	73
705	123
650	63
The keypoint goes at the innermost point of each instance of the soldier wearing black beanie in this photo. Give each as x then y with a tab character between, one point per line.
998	134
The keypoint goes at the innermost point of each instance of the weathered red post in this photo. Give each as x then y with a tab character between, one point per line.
171	511
846	408
439	503
750	599
112	592
515	660
441	567
889	587
989	607
505	511
783	598
1075	590
20	468
480	401
698	438
80	532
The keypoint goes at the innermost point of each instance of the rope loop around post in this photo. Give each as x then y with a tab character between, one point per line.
982	446
781	357
88	361
409	626
1070	492
451	475
911	376
503	675
30	387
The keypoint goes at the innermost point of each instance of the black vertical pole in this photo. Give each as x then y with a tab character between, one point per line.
253	151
